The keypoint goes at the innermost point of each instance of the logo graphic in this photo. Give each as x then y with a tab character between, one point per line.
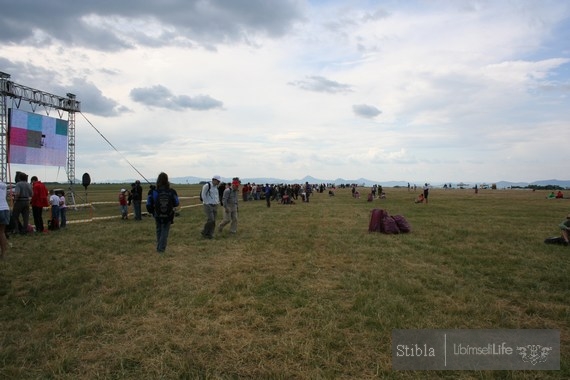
534	353
478	349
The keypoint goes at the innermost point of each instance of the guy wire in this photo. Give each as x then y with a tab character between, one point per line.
116	150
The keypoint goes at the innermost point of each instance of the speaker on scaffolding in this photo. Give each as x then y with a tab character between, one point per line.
86	180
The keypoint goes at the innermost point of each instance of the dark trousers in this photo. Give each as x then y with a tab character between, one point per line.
21	208
210	226
38	219
137	209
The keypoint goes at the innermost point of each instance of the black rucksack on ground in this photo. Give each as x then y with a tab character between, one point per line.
164	205
555	240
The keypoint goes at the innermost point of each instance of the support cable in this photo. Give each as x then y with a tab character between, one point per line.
116	150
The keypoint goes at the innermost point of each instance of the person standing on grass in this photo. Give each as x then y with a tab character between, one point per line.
267	190
426	192
123	205
308	191
162	201
62	210
565	228
54	202
4	220
245	191
136	199
40	199
230	203
210	200
22	196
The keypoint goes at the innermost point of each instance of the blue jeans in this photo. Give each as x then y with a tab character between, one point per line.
55	212
162	230
62	216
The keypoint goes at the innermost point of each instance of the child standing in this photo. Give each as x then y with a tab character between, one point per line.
62	210
54	202
123	199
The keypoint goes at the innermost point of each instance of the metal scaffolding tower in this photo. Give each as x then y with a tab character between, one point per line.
17	93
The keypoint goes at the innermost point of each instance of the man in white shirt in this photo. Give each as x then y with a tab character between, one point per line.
210	200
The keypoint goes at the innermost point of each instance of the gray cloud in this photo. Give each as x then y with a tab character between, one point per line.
92	99
117	25
160	96
321	84
366	111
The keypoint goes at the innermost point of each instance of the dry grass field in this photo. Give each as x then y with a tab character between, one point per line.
302	291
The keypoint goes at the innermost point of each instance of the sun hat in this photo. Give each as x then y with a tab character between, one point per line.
217	177
123	190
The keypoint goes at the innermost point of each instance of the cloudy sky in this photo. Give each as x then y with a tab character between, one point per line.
420	91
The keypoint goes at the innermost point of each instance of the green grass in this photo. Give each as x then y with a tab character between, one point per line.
302	291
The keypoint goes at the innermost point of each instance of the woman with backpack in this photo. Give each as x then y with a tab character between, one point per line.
162	201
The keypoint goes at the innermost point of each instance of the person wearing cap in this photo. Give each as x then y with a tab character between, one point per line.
123	196
230	202
210	200
54	202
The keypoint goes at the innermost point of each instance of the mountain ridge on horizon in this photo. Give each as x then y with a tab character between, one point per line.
361	182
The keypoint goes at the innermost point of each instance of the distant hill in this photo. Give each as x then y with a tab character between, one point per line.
506	184
553	182
359	182
309	179
546	182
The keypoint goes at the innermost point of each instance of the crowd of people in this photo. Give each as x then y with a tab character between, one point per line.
36	196
282	193
161	202
24	196
213	194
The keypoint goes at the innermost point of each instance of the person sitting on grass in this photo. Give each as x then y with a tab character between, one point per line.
420	198
559	195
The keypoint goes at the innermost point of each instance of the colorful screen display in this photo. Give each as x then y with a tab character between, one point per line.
36	139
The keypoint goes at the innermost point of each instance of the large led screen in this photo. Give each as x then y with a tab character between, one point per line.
36	140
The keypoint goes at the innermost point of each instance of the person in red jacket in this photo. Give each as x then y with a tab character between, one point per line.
39	201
